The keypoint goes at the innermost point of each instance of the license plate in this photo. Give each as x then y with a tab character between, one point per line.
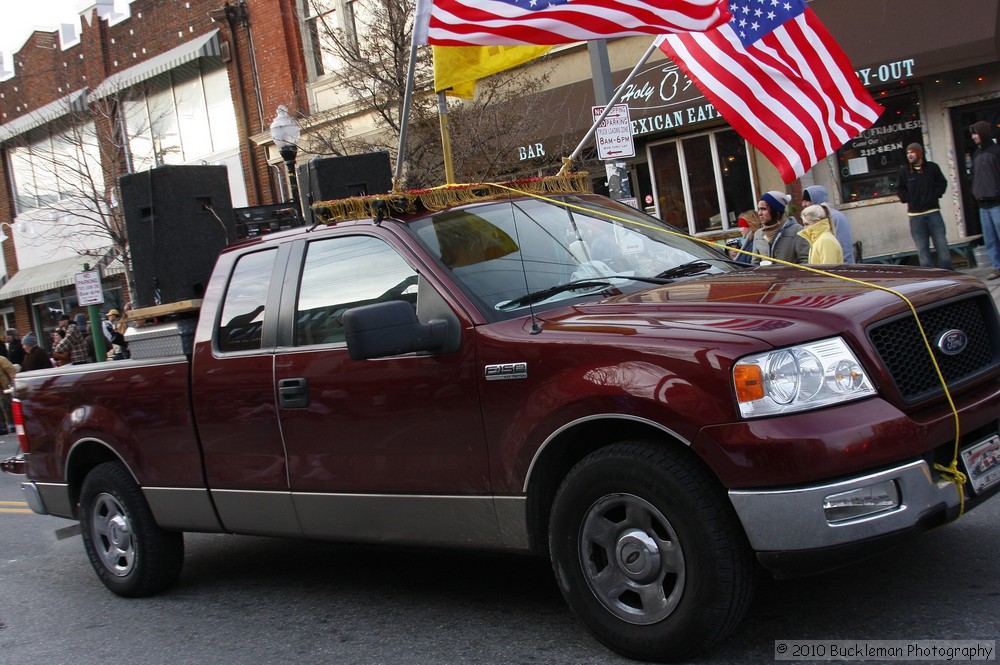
982	463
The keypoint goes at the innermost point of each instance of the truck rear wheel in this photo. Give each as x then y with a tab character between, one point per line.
130	553
648	554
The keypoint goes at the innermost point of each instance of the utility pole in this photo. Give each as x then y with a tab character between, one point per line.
617	171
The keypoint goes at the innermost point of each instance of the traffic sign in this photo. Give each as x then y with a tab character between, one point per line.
614	134
89	290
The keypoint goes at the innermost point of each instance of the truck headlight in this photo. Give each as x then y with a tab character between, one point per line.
798	378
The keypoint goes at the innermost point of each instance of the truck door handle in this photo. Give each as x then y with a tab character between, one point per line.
293	393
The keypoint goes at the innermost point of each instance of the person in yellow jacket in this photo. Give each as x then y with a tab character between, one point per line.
824	248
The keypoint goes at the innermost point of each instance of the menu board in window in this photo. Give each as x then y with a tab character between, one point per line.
869	163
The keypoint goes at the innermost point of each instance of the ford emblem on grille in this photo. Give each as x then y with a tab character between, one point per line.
952	342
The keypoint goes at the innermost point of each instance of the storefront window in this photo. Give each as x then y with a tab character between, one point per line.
671	206
869	162
702	182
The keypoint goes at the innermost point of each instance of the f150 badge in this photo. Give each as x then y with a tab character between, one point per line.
506	371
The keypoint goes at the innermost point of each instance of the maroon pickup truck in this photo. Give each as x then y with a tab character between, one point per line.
560	375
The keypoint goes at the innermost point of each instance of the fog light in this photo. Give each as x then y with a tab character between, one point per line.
862	502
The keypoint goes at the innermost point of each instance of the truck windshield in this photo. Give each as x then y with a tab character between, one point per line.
512	254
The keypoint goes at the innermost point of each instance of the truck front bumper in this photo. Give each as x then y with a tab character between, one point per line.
809	529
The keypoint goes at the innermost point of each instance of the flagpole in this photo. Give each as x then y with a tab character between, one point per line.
404	118
568	161
449	164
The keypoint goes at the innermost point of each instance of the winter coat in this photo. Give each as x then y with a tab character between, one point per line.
7	372
824	248
787	246
920	188
841	227
986	174
36	358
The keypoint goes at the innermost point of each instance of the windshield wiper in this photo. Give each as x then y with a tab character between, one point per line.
538	296
685	269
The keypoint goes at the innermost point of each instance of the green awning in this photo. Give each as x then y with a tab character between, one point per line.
206	45
71	103
49	276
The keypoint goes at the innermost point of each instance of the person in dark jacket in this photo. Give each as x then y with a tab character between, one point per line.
35	357
15	350
919	185
986	190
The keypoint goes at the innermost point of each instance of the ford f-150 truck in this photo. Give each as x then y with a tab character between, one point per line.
557	374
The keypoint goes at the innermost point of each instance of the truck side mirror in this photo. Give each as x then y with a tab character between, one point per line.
390	329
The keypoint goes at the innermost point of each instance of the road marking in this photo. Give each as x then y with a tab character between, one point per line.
22	507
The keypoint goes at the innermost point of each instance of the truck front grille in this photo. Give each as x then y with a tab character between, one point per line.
899	345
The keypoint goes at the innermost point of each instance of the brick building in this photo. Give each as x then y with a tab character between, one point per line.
158	83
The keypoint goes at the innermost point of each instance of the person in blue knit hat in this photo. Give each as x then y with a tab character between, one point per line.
778	236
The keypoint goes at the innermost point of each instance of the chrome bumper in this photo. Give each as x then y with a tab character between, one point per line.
34	498
793	519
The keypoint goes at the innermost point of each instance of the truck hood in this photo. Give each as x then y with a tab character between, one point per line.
778	305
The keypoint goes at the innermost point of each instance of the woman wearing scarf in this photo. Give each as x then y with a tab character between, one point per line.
778	236
824	248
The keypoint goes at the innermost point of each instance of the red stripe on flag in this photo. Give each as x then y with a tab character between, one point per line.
792	94
489	22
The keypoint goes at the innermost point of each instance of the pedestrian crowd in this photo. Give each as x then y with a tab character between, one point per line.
770	232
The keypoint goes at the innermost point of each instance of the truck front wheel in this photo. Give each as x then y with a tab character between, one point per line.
647	552
130	553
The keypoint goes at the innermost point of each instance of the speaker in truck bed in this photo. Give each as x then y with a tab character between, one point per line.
178	219
329	178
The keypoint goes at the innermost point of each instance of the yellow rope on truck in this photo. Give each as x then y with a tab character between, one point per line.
950	472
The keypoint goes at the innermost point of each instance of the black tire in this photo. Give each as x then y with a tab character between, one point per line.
648	553
130	553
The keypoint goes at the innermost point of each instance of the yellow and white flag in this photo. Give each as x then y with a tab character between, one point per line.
457	68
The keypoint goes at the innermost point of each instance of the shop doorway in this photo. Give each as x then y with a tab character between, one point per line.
962	118
702	182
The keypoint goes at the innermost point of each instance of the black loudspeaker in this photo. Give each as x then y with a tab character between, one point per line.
329	178
178	219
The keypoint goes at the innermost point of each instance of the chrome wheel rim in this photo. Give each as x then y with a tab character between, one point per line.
632	559
111	529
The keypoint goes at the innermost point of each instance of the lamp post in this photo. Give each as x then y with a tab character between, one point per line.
285	133
3	236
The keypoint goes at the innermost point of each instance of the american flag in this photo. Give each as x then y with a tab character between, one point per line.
780	79
512	22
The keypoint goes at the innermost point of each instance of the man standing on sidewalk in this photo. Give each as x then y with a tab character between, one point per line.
919	185
986	190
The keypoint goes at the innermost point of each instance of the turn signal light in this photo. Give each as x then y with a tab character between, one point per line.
749	381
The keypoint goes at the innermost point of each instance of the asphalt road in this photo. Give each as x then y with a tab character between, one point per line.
264	601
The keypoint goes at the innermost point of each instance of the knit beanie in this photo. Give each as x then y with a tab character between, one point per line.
30	340
916	147
984	129
777	201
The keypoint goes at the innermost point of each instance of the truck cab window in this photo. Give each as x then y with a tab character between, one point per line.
345	272
242	319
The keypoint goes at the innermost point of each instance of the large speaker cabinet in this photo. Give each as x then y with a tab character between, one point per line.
329	178
178	219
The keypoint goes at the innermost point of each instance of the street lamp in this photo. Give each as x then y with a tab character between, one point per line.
285	133
20	227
